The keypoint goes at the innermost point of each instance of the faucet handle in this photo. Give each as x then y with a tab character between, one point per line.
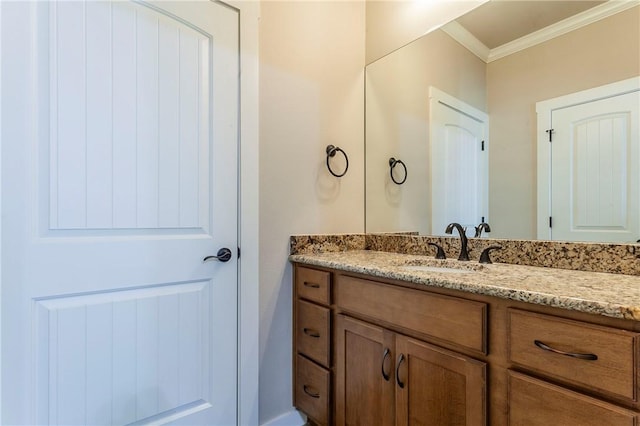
484	257
482	227
440	253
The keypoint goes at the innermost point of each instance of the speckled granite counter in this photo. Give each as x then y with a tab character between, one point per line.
613	295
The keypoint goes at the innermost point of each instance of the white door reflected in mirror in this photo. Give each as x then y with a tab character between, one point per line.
459	155
593	165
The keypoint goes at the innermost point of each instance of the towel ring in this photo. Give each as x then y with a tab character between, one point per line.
392	164
331	152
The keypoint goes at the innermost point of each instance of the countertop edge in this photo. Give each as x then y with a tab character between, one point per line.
544	298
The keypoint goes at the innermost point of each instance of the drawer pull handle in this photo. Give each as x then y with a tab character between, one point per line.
312	285
400	361
588	357
385	355
307	390
311	332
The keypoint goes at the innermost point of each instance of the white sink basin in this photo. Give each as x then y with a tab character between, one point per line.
438	269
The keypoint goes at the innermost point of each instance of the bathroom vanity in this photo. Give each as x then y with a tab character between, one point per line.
385	338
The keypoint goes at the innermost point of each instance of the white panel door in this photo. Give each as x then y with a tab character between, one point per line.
458	164
119	150
595	177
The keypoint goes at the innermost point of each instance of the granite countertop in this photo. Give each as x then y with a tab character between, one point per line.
613	295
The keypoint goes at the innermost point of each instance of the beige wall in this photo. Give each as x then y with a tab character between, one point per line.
311	95
601	53
393	23
397	117
312	56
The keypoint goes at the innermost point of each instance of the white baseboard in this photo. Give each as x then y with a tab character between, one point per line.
292	418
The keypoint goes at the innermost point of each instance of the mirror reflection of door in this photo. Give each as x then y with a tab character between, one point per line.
459	153
594	171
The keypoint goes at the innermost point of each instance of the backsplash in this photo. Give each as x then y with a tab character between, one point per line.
578	256
309	244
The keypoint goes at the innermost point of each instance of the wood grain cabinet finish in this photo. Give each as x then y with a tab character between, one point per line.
313	285
312	318
384	378
313	329
437	386
535	402
450	319
365	376
384	352
603	359
312	390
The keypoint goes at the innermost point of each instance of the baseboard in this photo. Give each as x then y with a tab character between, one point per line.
292	418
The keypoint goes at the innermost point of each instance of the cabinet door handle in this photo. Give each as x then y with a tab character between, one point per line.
311	332
588	357
307	390
312	285
385	355
400	361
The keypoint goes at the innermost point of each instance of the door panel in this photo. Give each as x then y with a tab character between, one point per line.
138	349
594	170
119	177
98	150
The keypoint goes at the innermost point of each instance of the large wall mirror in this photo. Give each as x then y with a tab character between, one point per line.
453	114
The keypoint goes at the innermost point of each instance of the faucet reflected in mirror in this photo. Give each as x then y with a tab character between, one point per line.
482	227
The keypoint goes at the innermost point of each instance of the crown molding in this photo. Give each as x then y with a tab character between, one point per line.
475	46
468	40
566	25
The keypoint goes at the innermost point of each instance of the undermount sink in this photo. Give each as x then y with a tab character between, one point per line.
438	269
442	266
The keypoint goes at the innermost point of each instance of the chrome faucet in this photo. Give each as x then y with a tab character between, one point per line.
464	253
483	226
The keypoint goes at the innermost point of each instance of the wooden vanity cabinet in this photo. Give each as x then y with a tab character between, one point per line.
407	380
391	353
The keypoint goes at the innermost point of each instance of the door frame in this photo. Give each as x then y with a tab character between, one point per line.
248	210
544	111
248	302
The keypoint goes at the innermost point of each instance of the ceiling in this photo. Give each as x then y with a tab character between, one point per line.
498	22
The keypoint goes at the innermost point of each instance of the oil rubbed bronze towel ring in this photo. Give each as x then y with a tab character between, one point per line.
392	164
331	152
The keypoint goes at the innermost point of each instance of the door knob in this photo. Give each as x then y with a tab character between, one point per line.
223	255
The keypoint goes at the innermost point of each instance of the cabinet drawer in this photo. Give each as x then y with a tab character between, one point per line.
313	328
450	319
312	284
601	358
312	390
537	403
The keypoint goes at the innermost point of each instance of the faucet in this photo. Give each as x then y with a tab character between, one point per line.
483	226
464	253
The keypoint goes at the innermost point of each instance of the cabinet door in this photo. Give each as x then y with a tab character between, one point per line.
364	373
438	387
